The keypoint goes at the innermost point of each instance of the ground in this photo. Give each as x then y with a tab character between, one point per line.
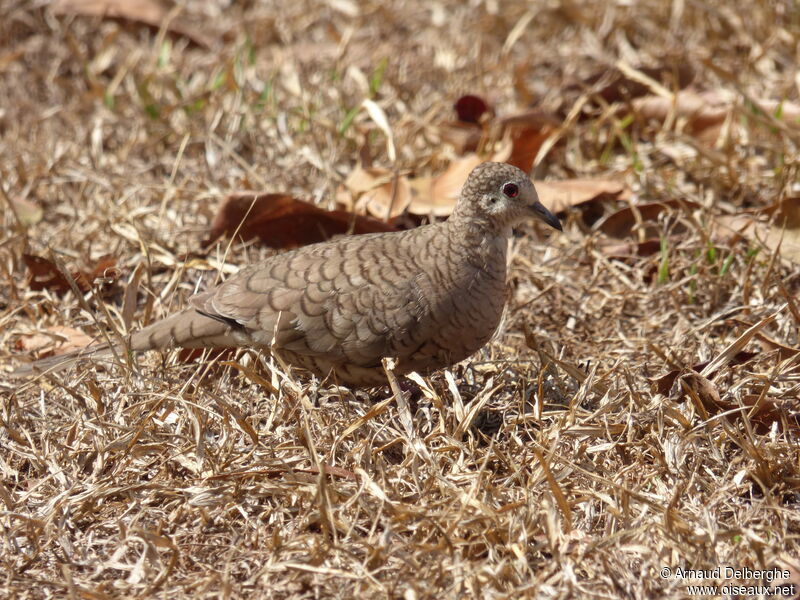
587	451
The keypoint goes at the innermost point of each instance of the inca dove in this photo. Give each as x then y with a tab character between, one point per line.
428	297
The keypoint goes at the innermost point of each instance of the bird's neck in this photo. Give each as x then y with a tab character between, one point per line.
477	230
486	245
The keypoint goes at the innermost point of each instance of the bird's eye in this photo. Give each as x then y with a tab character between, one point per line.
511	190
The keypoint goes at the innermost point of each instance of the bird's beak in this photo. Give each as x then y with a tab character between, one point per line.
540	212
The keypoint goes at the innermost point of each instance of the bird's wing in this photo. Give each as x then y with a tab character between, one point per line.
351	302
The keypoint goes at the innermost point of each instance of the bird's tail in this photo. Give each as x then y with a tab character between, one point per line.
53	364
187	329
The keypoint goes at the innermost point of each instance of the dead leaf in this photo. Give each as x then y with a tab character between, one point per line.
217	356
662	385
281	221
378	192
523	132
733	228
621	224
471	109
782	231
768	344
762	411
129	298
701	110
527	131
705	112
331	470
363	179
525	143
788	112
558	196
784	351
53	341
148	12
105	272
44	274
464	137
618	87
275	472
702	391
437	196
622	250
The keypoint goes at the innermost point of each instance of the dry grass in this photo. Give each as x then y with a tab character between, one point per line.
167	479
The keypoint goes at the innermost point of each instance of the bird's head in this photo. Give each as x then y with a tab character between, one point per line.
501	196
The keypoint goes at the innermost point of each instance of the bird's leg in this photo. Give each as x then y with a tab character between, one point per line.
411	390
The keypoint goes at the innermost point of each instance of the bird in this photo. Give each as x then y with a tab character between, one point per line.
427	297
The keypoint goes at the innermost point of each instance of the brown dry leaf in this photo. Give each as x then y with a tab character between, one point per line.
702	110
148	12
472	109
104	272
44	274
464	134
379	192
618	87
783	231
702	392
53	341
705	112
437	195
464	137
768	344
732	228
621	224
366	179
276	472
219	357
662	385
522	134
527	132
561	195
762	411
622	250
281	221
29	213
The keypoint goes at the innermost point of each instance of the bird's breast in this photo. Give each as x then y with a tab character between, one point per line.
469	306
